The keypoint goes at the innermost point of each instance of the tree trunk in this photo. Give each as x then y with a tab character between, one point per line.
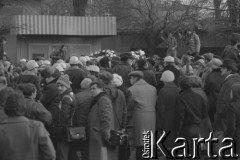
217	4
79	7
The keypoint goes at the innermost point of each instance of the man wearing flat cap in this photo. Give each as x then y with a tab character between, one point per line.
232	51
141	103
229	72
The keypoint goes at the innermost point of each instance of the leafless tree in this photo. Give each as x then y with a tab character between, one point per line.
79	7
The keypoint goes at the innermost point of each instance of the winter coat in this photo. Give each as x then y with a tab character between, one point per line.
166	111
149	77
232	112
193	43
36	111
212	87
119	106
142	99
123	70
76	75
50	92
190	110
62	109
205	126
28	77
24	139
100	122
223	100
83	103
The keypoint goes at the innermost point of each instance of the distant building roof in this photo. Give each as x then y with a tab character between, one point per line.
63	25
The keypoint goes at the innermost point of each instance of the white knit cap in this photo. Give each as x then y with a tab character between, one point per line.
74	60
46	62
215	63
63	65
169	59
167	76
32	64
117	80
93	68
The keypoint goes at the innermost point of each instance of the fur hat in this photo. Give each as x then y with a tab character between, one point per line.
106	77
64	80
126	56
167	76
31	65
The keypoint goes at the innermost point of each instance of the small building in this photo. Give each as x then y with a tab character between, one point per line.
39	35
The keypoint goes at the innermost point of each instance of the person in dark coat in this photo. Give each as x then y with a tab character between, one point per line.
232	51
232	112
124	68
21	138
50	91
229	72
100	122
166	107
212	86
34	109
190	111
62	109
148	75
3	97
30	76
75	74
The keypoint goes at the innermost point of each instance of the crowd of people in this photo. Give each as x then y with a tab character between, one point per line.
190	97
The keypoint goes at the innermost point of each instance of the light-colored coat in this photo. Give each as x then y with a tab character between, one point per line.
100	122
142	98
24	139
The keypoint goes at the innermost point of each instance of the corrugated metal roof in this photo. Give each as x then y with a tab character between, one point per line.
63	25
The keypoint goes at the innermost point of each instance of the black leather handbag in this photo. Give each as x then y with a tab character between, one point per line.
75	134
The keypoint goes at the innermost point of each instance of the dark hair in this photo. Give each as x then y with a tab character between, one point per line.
15	105
141	63
4	95
196	82
48	72
28	89
98	84
184	82
104	62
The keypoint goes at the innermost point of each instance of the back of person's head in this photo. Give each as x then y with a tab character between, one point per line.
15	105
4	95
196	82
141	64
106	77
104	62
184	82
28	89
48	71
